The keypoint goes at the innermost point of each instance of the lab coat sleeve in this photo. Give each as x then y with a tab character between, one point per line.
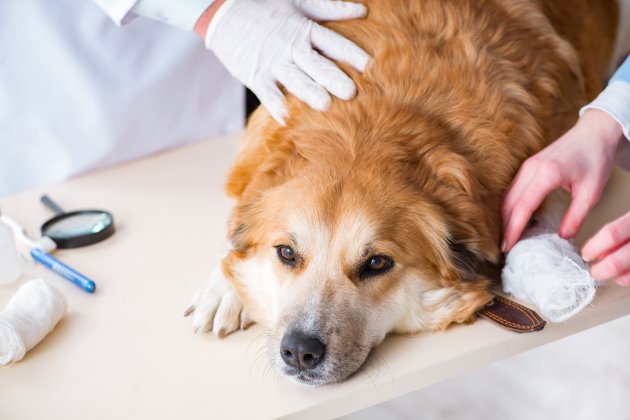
615	99
118	10
182	14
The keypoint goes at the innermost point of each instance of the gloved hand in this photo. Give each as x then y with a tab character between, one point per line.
264	42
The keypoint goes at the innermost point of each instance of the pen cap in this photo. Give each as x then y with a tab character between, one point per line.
10	267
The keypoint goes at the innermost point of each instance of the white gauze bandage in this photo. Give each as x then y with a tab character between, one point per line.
30	315
545	270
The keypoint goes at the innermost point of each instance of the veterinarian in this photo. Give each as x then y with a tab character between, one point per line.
580	162
78	93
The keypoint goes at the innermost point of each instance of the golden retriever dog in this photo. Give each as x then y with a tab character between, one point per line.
382	214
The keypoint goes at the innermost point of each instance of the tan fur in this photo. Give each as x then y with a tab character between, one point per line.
458	94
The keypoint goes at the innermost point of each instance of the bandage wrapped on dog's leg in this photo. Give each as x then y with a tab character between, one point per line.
547	271
30	315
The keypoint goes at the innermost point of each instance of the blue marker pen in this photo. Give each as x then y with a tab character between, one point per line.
63	270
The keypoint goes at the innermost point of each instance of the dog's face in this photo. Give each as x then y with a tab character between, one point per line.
332	259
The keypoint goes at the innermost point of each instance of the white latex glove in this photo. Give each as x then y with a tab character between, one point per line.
265	42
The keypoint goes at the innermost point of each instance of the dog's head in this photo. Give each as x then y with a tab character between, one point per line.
343	234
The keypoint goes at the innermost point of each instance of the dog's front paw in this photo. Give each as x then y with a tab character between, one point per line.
216	307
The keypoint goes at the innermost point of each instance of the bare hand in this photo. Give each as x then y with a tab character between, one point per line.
611	246
579	162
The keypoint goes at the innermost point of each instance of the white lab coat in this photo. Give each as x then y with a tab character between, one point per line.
78	92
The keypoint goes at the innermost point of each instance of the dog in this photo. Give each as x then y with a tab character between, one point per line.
382	214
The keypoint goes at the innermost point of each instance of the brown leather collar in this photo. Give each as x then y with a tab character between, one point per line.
511	315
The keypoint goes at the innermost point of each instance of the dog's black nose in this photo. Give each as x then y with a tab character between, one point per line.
301	351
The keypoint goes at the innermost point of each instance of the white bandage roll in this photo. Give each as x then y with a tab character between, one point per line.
545	270
30	315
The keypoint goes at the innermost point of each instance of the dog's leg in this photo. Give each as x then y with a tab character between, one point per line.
216	307
545	270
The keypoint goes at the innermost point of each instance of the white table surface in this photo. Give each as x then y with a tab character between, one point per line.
127	352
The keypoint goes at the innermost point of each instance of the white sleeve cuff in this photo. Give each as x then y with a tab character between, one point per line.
118	10
181	14
615	101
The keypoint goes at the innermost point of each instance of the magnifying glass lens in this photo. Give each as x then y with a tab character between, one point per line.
80	224
77	228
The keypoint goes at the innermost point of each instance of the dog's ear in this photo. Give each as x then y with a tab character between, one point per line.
251	155
453	182
262	150
266	159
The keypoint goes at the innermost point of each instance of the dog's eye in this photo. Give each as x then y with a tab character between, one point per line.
376	265
286	254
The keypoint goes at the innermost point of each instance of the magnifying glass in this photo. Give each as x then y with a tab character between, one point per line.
77	228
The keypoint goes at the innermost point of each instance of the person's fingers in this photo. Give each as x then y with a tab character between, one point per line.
523	178
271	98
624	279
302	86
339	48
607	239
532	173
584	199
325	73
615	264
327	10
523	209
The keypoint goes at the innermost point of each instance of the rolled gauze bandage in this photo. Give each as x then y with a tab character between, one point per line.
30	315
545	270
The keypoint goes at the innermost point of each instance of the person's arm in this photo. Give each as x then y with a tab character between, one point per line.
609	248
179	13
267	44
579	162
201	26
615	98
615	101
182	14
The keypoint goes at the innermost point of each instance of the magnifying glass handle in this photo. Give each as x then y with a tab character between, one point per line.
48	202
